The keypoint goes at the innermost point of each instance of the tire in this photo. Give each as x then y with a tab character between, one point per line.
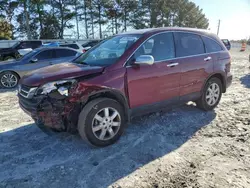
11	75
203	101
87	122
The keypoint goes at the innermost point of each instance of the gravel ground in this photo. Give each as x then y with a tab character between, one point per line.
184	147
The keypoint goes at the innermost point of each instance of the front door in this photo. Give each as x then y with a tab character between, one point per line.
42	59
154	84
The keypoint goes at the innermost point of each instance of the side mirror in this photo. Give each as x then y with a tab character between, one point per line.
144	60
33	60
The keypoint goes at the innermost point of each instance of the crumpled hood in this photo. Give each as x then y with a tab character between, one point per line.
58	72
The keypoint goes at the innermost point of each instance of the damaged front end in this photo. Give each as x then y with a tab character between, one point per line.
56	104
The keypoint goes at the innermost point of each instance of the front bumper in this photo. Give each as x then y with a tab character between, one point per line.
50	113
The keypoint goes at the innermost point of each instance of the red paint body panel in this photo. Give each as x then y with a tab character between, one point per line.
152	83
58	72
194	72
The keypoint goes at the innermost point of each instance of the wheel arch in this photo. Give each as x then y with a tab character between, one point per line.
115	95
221	77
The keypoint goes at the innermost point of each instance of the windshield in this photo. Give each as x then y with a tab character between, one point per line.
109	51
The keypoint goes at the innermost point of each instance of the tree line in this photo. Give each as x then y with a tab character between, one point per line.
50	19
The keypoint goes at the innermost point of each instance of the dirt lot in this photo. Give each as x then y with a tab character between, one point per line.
185	147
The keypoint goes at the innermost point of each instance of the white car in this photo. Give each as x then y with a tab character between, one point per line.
73	45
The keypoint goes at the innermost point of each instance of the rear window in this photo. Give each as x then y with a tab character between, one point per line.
65	53
188	44
90	44
211	45
74	46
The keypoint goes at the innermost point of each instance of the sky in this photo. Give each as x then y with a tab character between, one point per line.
234	16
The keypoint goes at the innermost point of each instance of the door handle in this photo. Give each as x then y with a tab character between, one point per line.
207	58
172	64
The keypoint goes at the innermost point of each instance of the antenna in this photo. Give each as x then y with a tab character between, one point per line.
218	29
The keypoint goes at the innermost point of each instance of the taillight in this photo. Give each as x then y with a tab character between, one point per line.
83	51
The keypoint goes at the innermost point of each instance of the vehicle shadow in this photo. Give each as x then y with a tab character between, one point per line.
31	158
245	80
2	90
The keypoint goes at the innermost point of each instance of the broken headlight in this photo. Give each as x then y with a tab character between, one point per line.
61	87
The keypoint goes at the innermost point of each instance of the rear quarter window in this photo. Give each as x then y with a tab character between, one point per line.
188	44
211	45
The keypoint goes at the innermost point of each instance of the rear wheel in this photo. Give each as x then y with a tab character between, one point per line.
101	122
8	79
211	95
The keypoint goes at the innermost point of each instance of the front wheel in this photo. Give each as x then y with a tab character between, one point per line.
101	122
8	80
211	95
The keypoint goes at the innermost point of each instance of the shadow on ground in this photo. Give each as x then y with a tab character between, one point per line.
30	158
245	80
2	90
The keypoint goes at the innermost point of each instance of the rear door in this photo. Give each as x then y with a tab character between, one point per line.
195	64
152	85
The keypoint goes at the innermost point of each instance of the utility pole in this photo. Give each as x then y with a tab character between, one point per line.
218	29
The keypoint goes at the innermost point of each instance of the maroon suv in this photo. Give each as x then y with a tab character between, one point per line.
127	75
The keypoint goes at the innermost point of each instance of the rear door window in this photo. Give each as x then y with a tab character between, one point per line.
65	53
160	46
211	45
44	55
188	44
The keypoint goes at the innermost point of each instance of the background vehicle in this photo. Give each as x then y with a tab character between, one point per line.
18	49
86	46
51	44
227	43
12	71
73	45
141	72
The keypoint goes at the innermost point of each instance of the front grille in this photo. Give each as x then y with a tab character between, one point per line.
26	91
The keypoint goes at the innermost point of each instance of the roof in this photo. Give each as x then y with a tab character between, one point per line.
152	30
54	47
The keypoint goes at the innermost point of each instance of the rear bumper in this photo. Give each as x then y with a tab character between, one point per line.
229	80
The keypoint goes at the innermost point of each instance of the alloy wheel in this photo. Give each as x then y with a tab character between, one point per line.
106	123
212	94
9	80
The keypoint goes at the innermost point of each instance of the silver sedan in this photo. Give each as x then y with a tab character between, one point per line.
12	71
